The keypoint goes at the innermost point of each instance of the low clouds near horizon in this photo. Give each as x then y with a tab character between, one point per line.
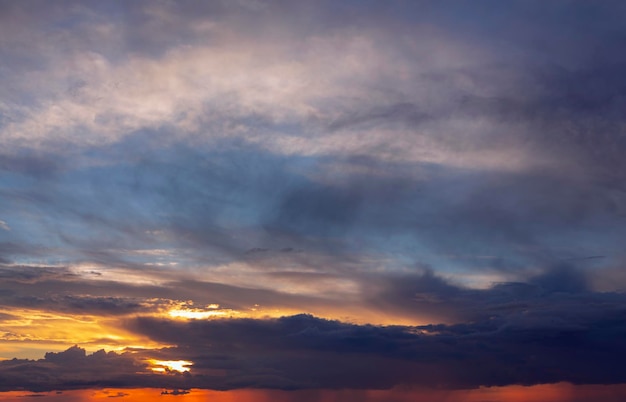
511	334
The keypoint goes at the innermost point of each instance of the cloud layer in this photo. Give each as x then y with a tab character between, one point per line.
549	330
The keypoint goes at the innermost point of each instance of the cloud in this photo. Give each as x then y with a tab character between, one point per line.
451	96
555	296
33	273
462	144
74	369
217	82
552	328
482	353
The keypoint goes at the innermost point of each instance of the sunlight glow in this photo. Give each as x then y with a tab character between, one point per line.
29	333
201	314
560	392
210	311
163	366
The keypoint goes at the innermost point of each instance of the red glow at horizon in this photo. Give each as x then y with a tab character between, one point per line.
561	392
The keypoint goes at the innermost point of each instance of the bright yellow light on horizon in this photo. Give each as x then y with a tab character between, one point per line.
201	314
30	333
162	366
210	311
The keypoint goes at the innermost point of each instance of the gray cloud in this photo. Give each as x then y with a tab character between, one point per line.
551	328
536	346
512	149
74	369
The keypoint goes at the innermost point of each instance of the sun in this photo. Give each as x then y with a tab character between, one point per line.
164	366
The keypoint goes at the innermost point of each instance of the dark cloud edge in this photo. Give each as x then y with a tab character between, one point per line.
552	328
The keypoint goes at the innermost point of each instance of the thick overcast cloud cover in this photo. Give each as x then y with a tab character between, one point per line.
443	163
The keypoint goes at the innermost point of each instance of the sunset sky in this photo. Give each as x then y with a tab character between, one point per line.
319	200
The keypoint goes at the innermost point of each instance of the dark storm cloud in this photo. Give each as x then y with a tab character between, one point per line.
561	292
549	329
516	345
74	369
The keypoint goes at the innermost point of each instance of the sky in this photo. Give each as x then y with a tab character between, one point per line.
285	199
